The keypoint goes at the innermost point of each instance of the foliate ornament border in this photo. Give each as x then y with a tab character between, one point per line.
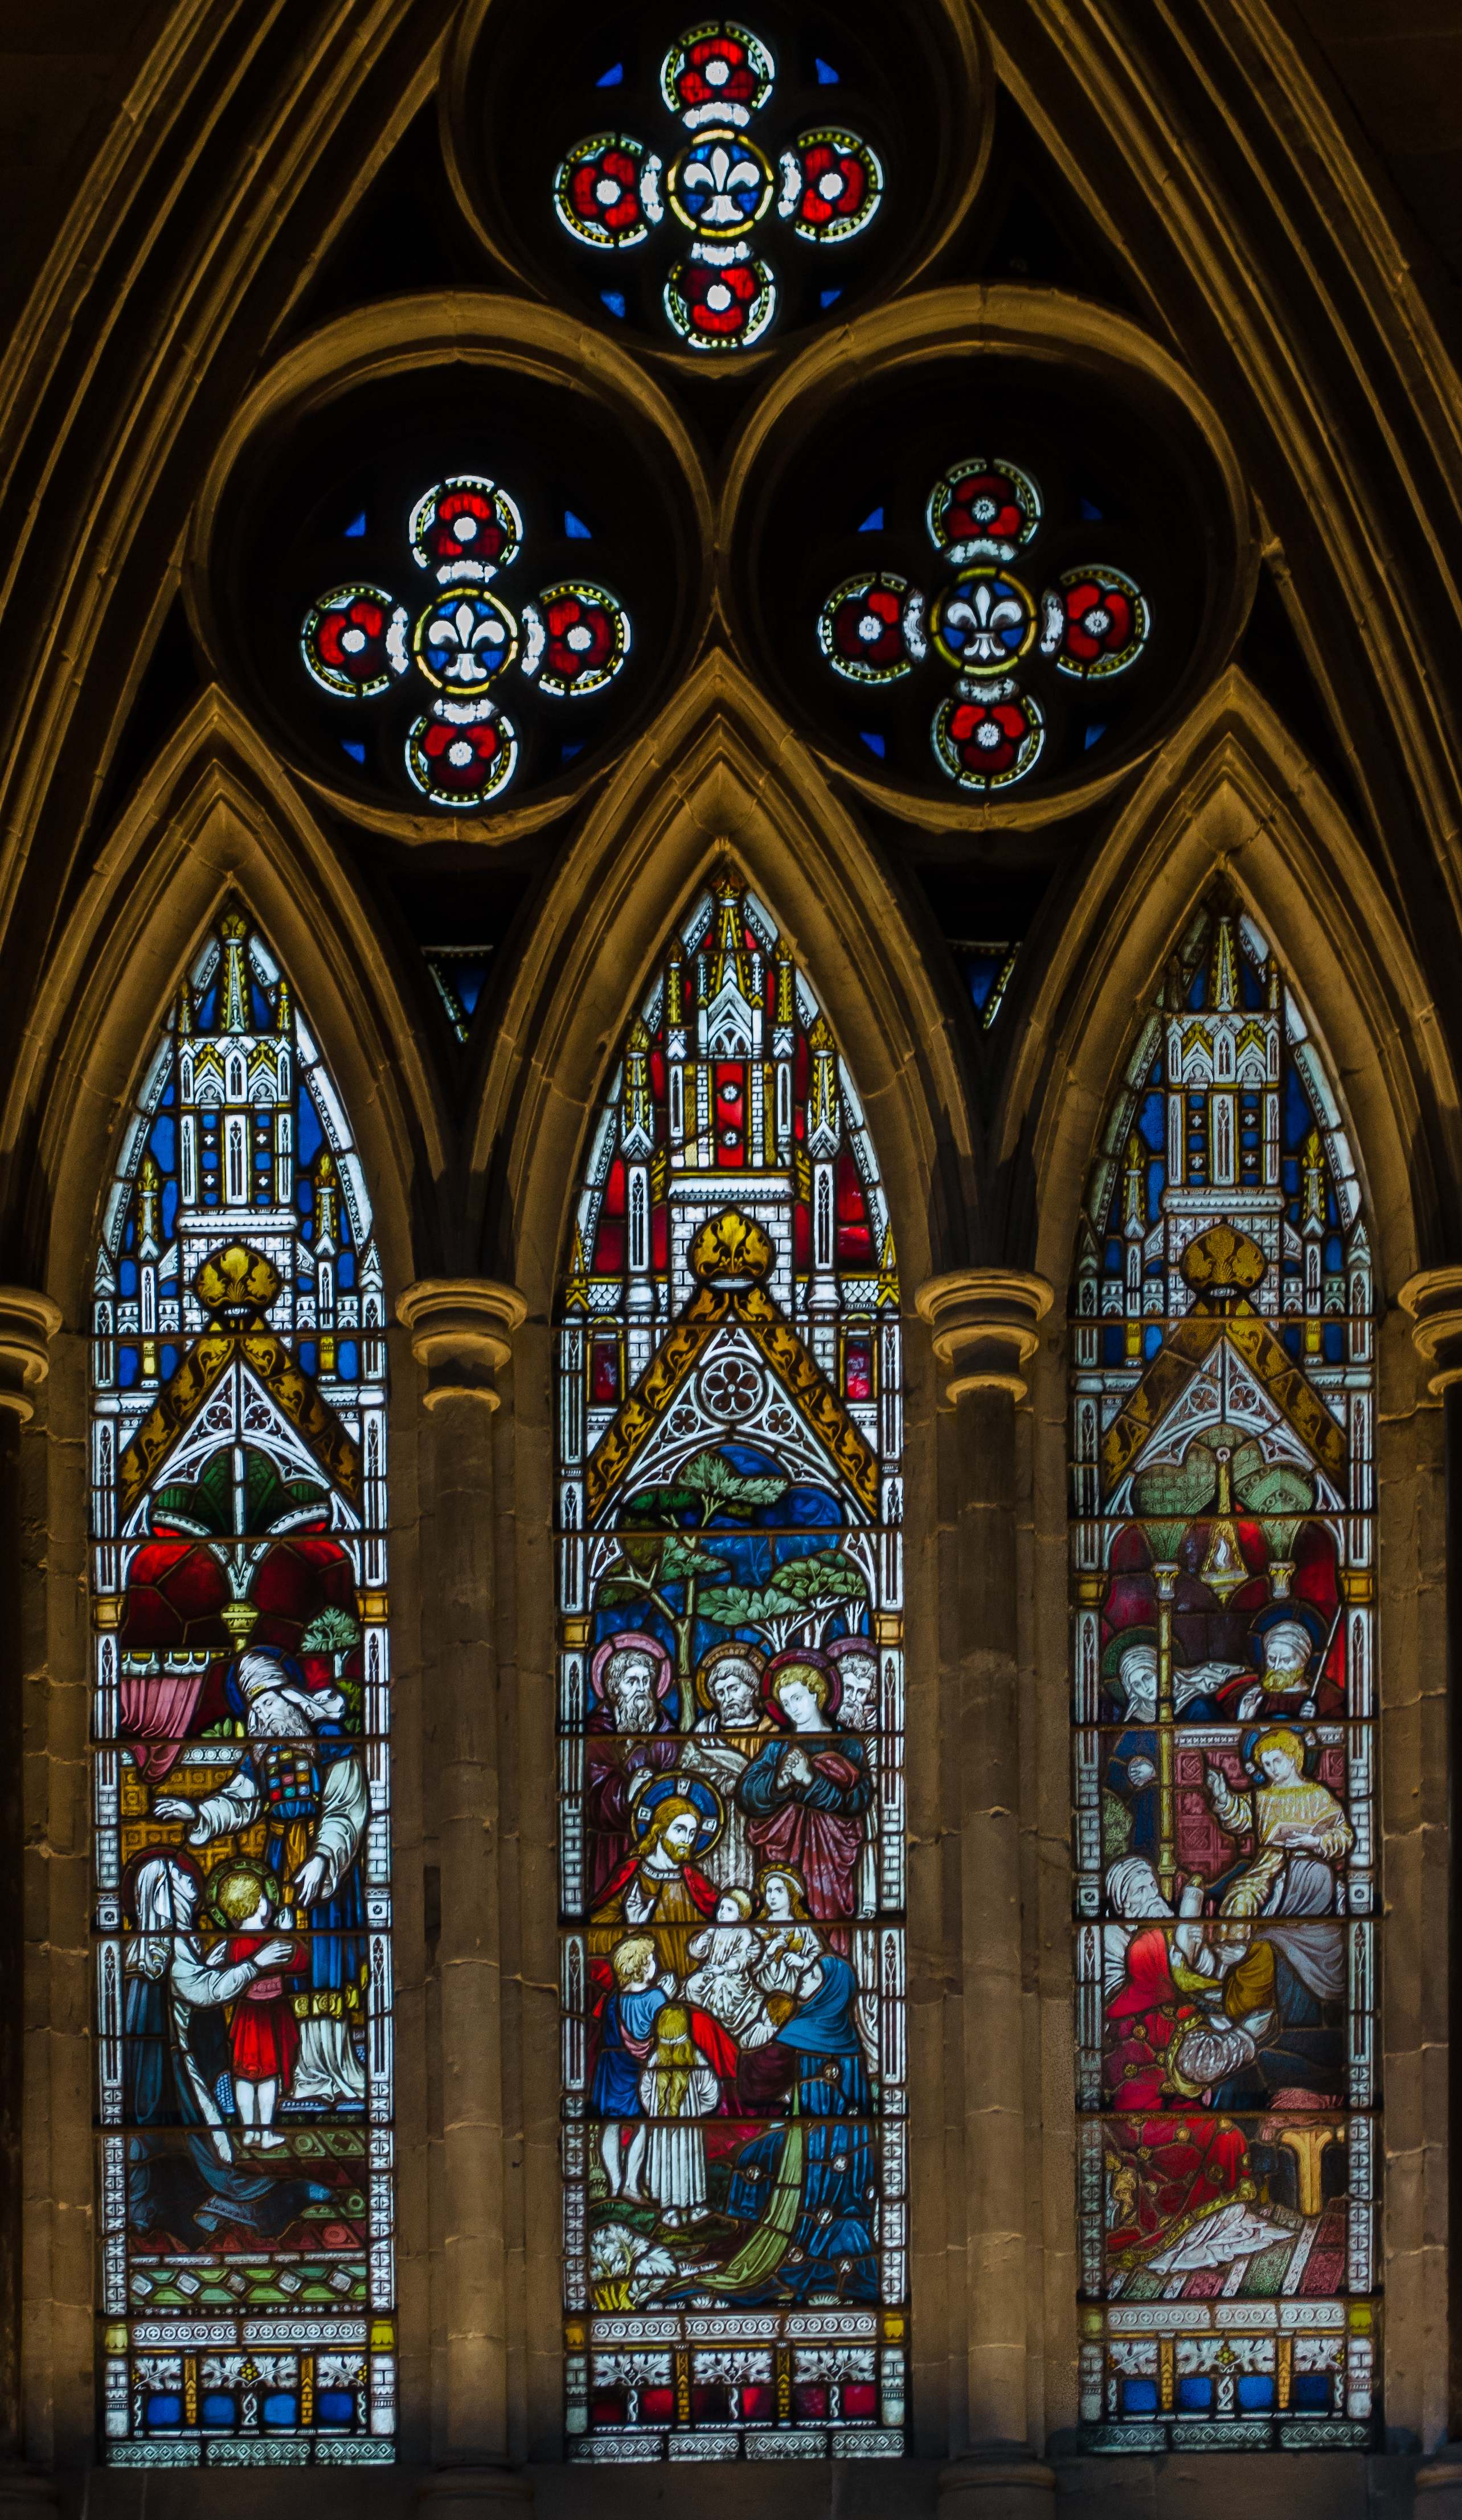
413	336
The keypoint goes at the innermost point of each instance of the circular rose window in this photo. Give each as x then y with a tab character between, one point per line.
459	589
716	183
995	584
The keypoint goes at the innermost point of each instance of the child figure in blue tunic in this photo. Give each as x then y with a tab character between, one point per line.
626	2027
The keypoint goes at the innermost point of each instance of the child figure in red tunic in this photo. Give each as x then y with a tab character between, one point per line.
263	2037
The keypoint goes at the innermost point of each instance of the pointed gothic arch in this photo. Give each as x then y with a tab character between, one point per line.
729	1538
214	815
1233	793
1340	402
722	772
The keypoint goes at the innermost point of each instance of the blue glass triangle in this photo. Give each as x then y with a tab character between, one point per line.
1092	734
355	750
613	299
1091	513
872	522
612	79
829	297
471	979
827	76
876	743
351	532
570	753
575	529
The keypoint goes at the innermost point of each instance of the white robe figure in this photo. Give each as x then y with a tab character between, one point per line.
676	2089
724	1983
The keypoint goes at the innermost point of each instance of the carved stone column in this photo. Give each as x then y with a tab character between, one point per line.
27	1323
462	1332
985	1324
1434	1299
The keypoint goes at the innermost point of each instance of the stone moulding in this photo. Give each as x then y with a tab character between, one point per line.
28	1321
985	1326
462	1332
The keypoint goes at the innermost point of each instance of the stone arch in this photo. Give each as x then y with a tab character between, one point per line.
1233	802
213	814
1233	792
720	771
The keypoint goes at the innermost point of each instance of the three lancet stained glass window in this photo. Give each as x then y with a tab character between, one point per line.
731	1734
1223	1564
241	1703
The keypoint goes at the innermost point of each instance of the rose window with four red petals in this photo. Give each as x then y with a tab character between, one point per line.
991	624
464	647
727	198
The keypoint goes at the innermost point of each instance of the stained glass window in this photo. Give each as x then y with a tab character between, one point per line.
1224	1555
985	624
458	646
737	165
994	584
241	1703
731	1734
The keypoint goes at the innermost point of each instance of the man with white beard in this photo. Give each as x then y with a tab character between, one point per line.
308	1785
629	1678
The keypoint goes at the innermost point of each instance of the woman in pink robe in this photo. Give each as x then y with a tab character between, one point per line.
805	1793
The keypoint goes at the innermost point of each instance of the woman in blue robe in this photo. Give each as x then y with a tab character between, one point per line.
819	2059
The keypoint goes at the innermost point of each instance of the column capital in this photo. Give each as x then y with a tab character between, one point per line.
462	1332
1434	1299
984	1325
28	1320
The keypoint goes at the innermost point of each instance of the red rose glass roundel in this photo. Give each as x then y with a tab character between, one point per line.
464	528
831	184
983	511
1097	622
985	623
719	305
717	73
607	192
988	742
570	640
871	629
354	641
612	190
462	765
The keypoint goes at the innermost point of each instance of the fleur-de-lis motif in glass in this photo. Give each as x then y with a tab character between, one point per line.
1092	622
611	191
572	639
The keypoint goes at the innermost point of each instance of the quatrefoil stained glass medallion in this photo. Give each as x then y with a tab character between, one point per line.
998	632
465	651
730	199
